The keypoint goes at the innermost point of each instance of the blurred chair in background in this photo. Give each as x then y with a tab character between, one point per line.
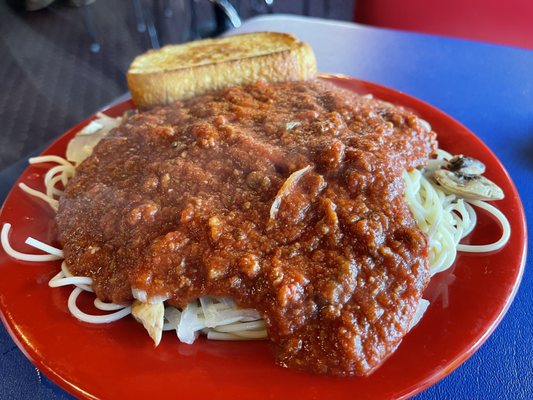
175	21
222	15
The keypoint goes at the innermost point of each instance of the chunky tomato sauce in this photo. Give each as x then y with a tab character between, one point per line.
287	197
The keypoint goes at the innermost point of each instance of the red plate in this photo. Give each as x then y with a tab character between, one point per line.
119	361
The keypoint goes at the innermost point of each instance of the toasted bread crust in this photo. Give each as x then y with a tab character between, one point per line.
155	78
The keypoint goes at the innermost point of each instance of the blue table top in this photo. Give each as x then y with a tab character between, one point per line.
486	87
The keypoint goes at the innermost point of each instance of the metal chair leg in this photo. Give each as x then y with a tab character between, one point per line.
226	16
88	21
139	16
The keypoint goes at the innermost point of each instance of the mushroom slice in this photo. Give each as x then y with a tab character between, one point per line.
466	165
151	316
474	187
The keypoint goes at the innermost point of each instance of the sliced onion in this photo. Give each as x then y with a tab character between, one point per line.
81	146
286	188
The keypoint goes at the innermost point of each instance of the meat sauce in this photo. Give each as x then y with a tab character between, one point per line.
287	197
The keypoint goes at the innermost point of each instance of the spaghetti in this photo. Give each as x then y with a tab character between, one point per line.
445	218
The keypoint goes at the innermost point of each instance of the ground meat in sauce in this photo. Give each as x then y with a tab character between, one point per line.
177	202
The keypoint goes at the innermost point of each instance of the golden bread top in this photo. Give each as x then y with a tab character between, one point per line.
212	51
180	72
